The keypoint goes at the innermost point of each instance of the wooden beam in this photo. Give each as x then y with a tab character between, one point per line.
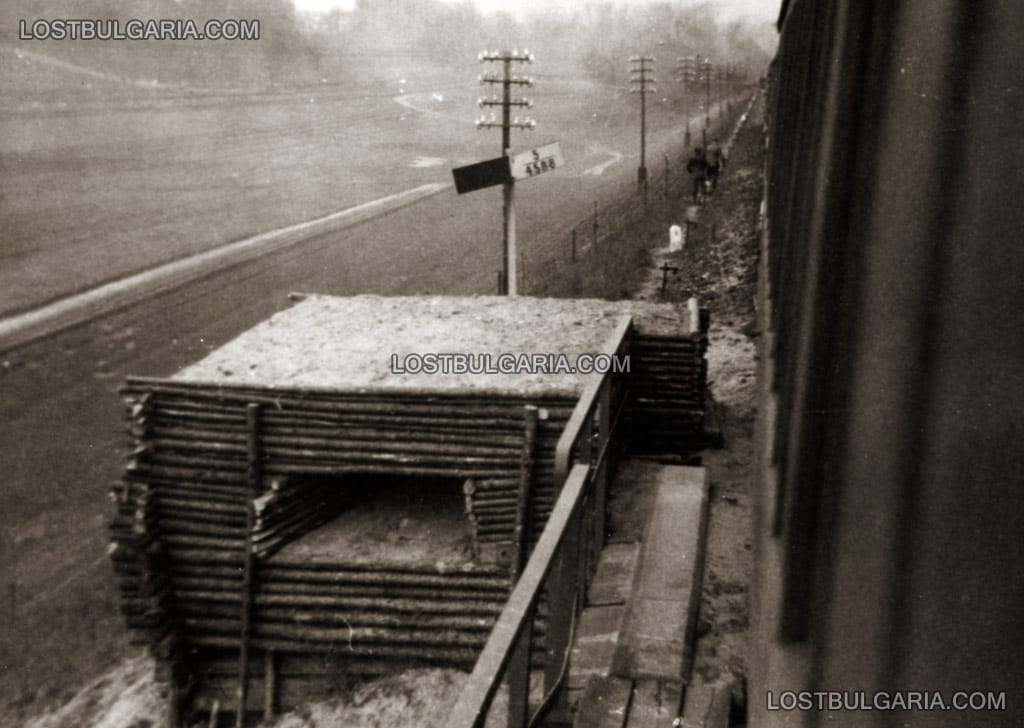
519	676
584	410
252	413
471	709
523	495
269	684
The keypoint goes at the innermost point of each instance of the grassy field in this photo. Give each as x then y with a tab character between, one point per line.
100	182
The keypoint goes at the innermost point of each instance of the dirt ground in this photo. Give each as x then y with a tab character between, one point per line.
405	523
719	267
127	697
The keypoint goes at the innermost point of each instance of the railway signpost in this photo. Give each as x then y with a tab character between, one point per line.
504	170
537	161
481	174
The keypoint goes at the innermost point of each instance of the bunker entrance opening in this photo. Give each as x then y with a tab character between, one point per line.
394	520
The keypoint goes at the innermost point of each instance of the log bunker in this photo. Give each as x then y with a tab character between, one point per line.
297	510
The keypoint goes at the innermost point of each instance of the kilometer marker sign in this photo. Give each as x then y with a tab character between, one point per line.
501	170
505	171
480	175
537	161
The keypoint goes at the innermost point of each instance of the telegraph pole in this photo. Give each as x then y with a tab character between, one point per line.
706	70
685	76
507	80
720	77
641	81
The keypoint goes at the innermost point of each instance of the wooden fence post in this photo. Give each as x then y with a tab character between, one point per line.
518	676
254	472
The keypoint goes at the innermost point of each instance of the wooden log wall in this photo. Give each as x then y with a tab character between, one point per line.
667	390
180	529
179	535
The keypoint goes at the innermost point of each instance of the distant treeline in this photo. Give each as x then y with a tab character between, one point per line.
378	36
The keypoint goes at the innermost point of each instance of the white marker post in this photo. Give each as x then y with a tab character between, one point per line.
675	239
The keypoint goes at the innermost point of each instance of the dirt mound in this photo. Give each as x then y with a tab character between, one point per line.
126	696
415	697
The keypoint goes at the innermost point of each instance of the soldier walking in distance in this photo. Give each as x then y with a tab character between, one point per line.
697	168
715	159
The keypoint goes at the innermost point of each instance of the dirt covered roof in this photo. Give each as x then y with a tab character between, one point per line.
380	343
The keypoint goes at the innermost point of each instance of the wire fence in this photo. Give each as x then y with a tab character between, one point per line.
597	254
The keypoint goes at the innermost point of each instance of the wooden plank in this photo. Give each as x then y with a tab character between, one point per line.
655	704
706	706
595	643
563	609
520	543
518	678
582	414
615	573
604	704
253	452
662	612
269	685
475	699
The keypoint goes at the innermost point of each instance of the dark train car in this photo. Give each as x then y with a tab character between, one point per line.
890	480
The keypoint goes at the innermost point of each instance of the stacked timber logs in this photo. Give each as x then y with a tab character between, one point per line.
361	611
667	391
230	485
183	521
491	505
140	562
294	506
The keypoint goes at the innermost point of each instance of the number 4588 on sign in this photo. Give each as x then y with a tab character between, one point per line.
537	161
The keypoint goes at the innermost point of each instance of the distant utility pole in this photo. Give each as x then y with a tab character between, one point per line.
721	83
706	70
641	80
686	70
507	123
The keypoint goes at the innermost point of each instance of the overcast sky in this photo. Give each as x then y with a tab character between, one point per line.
756	10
